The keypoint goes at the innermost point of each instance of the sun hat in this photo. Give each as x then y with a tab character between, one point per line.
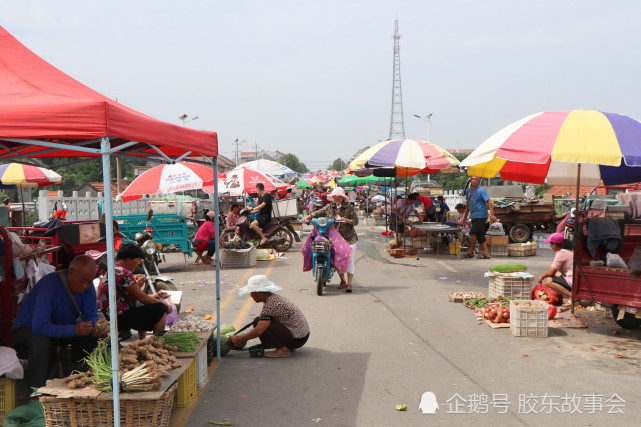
338	191
555	238
259	283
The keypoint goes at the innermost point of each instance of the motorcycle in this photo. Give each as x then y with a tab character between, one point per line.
279	232
568	231
322	253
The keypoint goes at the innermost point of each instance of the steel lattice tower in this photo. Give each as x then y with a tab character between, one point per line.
397	124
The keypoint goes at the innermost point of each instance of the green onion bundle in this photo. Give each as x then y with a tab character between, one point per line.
139	379
184	341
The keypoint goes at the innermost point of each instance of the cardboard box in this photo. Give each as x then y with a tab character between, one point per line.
497	240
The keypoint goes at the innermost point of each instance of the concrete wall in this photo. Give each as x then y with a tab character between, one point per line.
85	208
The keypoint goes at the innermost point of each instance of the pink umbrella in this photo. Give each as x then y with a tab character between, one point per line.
167	179
243	180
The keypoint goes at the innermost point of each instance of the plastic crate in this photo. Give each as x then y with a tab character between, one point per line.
211	349
186	391
7	397
201	367
510	286
497	250
238	258
522	249
530	320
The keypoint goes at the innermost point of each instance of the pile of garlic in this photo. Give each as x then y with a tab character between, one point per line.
191	323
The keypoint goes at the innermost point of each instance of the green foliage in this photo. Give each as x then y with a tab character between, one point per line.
338	165
291	161
540	189
76	175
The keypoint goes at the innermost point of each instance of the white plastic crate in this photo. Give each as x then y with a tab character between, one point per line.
201	367
238	258
497	250
529	320
286	207
510	286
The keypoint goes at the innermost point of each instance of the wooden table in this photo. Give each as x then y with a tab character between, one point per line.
436	228
58	388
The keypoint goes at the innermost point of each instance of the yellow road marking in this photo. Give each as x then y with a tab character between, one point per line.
230	296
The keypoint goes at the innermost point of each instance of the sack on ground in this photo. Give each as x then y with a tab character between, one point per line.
543	292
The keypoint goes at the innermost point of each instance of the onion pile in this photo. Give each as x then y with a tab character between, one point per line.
191	323
497	313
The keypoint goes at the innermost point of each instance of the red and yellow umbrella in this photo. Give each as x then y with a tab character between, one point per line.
19	175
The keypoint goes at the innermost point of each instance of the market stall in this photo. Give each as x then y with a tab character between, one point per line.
45	113
434	234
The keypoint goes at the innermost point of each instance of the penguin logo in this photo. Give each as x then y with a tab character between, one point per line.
428	404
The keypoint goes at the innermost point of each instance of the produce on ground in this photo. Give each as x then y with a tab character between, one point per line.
484	302
552	311
464	295
508	268
191	323
182	341
497	313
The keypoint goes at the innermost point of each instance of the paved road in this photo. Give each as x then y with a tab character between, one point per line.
397	336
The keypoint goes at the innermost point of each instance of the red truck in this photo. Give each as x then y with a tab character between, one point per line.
613	287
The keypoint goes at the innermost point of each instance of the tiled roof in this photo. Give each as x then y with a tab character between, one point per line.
562	190
99	186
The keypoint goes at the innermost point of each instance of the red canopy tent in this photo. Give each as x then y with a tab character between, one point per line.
38	101
46	113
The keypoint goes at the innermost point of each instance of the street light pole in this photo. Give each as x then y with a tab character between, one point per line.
428	119
185	119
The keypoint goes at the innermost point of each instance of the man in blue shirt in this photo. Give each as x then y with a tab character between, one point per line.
478	204
48	317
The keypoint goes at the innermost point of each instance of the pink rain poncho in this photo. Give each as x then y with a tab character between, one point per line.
341	250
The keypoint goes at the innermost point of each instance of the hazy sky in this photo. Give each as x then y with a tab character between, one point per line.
314	78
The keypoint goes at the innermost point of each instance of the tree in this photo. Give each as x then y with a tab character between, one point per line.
291	161
338	165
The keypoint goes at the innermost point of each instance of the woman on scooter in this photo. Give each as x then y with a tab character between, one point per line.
340	209
150	316
205	237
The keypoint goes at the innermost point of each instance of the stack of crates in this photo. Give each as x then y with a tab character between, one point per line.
510	286
497	245
529	318
7	397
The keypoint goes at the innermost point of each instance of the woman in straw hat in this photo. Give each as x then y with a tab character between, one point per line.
340	209
281	325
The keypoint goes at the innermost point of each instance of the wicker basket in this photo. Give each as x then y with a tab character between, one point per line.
97	412
521	249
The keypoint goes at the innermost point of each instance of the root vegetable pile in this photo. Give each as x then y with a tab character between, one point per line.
141	366
102	326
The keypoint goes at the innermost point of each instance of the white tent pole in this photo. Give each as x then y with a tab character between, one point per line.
217	258
111	274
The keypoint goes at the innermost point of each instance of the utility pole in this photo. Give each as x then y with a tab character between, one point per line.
236	143
256	149
397	125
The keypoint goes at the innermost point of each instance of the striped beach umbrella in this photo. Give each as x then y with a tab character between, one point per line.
19	175
561	148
